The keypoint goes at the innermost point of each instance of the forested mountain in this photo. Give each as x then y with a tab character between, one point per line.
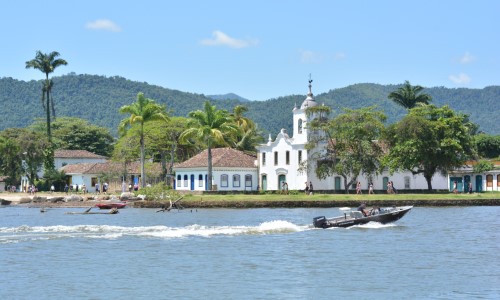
98	98
230	96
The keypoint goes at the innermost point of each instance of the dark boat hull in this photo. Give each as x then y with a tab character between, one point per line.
389	215
5	202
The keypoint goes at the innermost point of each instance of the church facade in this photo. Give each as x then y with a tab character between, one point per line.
280	161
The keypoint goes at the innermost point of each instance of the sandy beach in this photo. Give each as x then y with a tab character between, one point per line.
56	199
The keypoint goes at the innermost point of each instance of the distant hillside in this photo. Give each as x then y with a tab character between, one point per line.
229	96
98	98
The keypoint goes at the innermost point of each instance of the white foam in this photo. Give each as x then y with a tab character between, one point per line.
376	225
25	232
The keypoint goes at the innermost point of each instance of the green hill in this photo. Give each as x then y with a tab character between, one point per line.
98	98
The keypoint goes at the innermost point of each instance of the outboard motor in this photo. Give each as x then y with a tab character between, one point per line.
319	222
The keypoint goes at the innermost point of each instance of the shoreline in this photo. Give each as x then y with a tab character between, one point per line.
47	200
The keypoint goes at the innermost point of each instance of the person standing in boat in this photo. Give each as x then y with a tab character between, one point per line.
362	208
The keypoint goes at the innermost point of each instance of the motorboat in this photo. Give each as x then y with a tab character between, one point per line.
352	217
111	205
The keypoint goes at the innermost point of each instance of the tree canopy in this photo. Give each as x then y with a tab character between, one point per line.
350	142
409	96
78	134
427	140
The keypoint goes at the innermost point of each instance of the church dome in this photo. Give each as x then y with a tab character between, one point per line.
309	101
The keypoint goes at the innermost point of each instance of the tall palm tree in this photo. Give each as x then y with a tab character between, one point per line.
409	96
209	126
47	63
142	111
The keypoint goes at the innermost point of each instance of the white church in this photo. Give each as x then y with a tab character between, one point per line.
279	162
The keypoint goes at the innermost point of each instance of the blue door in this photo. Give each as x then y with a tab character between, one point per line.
281	179
459	183
192	182
385	181
479	183
337	183
466	183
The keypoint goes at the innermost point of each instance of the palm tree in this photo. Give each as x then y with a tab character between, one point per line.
47	63
249	134
408	96
242	122
142	111
209	126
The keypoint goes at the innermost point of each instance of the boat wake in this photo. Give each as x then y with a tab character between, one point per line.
31	233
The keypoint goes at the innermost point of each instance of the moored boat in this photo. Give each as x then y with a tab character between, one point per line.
111	205
5	202
382	215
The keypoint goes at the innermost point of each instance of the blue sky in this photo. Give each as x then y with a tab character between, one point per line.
259	49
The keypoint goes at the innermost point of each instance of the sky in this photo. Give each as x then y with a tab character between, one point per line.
259	49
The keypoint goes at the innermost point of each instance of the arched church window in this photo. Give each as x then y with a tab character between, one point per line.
300	126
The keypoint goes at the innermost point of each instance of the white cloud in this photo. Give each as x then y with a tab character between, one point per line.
312	57
467	58
103	24
461	79
222	39
339	56
309	57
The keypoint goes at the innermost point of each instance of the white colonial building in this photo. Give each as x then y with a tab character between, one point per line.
488	181
232	170
68	157
280	160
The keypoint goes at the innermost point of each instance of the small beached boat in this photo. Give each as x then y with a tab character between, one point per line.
5	202
111	205
351	217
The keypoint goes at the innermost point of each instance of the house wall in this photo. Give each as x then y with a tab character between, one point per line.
186	185
480	182
271	171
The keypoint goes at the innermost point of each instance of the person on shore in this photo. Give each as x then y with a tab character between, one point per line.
311	190
470	187
358	188
370	189
455	189
84	189
52	189
394	191
306	190
66	188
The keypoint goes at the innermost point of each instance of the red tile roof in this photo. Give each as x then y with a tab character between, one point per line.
76	154
221	157
109	167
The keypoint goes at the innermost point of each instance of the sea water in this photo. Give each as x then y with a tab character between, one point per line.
431	253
